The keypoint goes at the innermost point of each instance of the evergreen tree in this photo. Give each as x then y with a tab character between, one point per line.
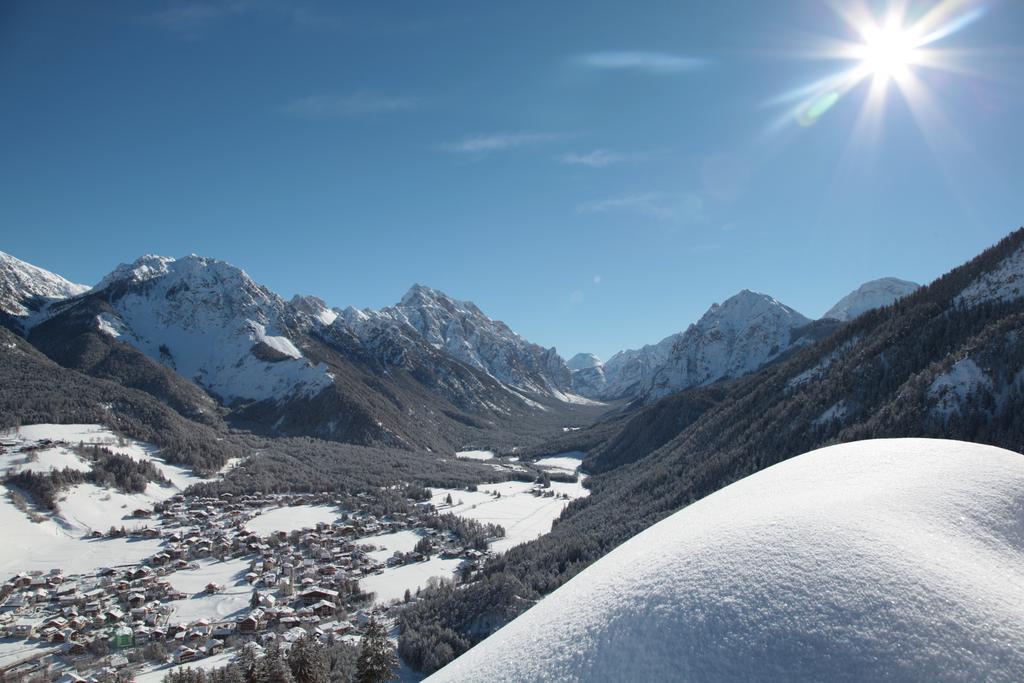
276	666
308	661
377	659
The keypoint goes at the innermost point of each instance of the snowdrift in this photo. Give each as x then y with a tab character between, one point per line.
897	559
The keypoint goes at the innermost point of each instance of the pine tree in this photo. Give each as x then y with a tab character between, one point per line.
276	666
254	601
308	661
377	659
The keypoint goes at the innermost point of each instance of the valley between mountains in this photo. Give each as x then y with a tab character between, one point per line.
201	473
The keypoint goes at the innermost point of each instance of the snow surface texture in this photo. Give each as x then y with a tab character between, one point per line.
22	283
869	296
210	322
1005	283
896	559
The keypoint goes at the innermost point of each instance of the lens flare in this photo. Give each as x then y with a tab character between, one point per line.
887	51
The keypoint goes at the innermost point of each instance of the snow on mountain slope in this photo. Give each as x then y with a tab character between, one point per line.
465	333
314	307
24	286
1004	283
211	323
584	361
587	375
732	339
897	559
869	296
628	372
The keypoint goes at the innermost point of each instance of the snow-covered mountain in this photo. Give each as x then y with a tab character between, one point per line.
584	361
25	287
431	372
869	296
211	323
587	374
731	339
629	372
465	333
893	559
1003	283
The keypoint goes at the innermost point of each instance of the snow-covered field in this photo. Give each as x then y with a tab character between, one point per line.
47	545
292	518
474	455
524	515
569	462
392	582
89	434
897	559
13	650
157	675
57	540
232	599
402	541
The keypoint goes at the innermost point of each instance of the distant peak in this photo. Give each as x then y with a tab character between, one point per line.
146	267
421	295
21	281
870	295
583	361
419	292
152	266
313	306
308	300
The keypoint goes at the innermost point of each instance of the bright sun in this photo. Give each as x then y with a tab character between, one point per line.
887	52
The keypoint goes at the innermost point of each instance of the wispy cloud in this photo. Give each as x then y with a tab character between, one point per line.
191	20
647	62
599	158
647	204
499	142
355	104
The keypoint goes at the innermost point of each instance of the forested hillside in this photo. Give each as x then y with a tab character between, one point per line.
934	364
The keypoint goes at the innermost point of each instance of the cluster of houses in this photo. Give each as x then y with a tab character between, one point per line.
303	582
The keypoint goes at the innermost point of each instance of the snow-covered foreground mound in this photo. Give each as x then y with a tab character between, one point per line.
896	559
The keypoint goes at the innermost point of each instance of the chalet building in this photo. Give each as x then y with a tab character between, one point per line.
316	594
253	622
323	609
185	654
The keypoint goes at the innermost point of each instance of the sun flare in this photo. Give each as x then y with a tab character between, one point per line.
888	51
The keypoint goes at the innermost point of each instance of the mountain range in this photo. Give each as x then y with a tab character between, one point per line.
195	357
944	362
730	340
430	372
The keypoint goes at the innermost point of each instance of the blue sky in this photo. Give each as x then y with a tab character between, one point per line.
595	174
